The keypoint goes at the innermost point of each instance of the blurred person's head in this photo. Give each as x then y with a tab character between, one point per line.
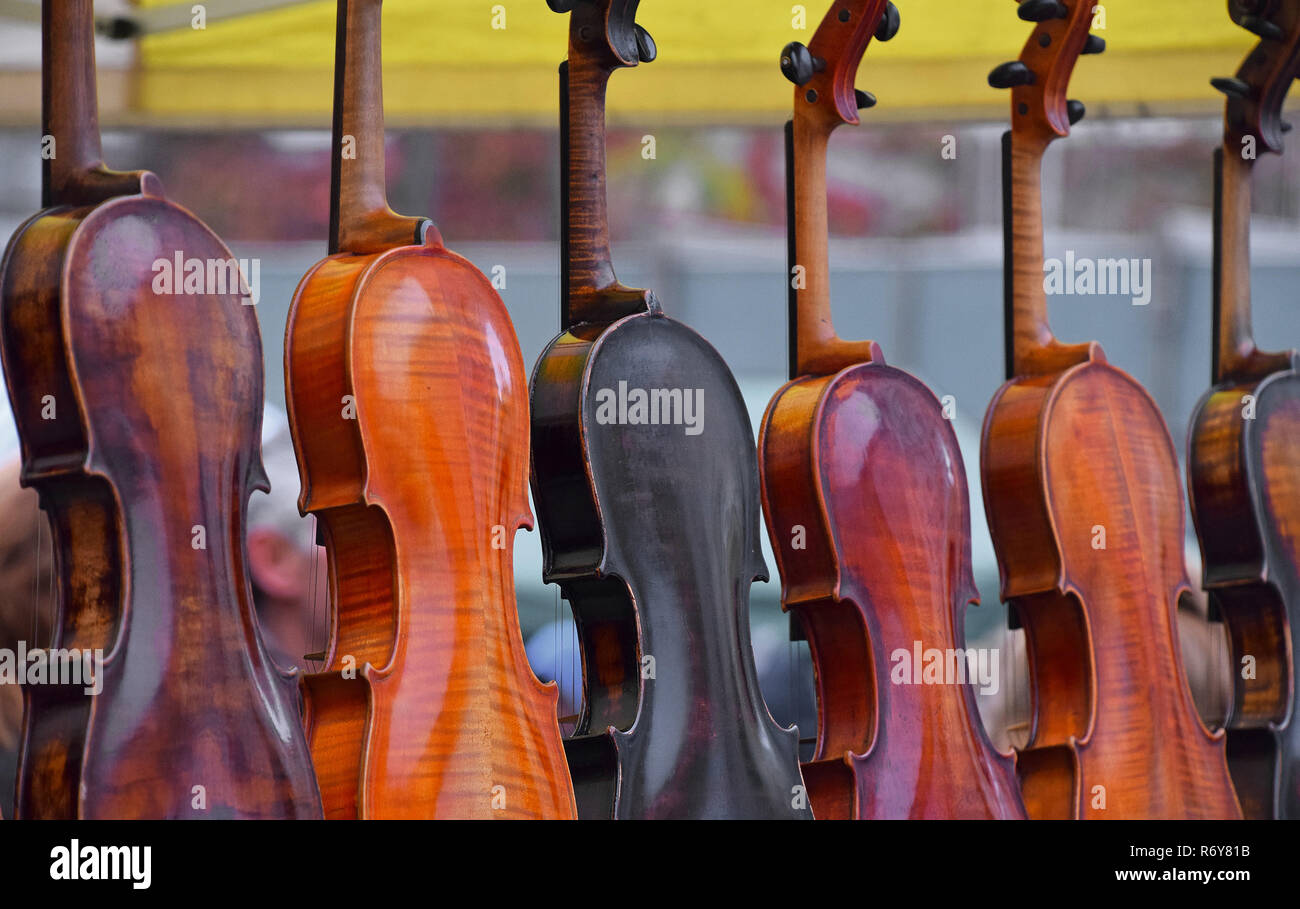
287	568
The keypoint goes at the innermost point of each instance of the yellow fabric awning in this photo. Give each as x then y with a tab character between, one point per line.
452	61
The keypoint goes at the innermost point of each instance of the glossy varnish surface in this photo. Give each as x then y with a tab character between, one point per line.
144	471
867	508
409	412
1082	491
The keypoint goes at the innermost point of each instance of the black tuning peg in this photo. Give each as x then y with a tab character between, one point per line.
645	46
1231	86
1042	10
799	65
117	28
864	99
1285	127
1009	75
1262	27
1094	45
560	6
887	28
1075	111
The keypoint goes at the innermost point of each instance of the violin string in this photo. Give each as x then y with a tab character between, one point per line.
1221	668
1013	703
1017	706
53	597
557	646
1229	671
1209	704
792	668
36	580
314	587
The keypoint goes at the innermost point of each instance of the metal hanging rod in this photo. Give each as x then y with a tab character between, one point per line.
178	17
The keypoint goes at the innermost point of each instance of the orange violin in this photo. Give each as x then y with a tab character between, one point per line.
409	410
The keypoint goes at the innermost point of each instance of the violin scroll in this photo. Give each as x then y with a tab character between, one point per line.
1039	78
825	70
1255	95
608	30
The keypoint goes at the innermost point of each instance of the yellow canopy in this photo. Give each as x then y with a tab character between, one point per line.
476	60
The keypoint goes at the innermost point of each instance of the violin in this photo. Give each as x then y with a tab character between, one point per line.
1084	502
645	480
408	408
1242	465
138	402
865	497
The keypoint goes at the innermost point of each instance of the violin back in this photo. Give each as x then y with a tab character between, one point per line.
864	462
677	502
1083	496
144	472
421	495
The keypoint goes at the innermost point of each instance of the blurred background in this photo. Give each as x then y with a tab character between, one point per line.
234	117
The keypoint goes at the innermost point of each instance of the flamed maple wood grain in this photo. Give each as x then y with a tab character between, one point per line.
409	413
1073	448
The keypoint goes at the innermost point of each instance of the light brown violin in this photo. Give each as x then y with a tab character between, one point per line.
1082	490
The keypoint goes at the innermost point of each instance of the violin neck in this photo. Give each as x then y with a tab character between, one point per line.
70	110
792	261
815	348
811	328
1027	329
72	169
1236	358
1233	338
587	267
360	220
